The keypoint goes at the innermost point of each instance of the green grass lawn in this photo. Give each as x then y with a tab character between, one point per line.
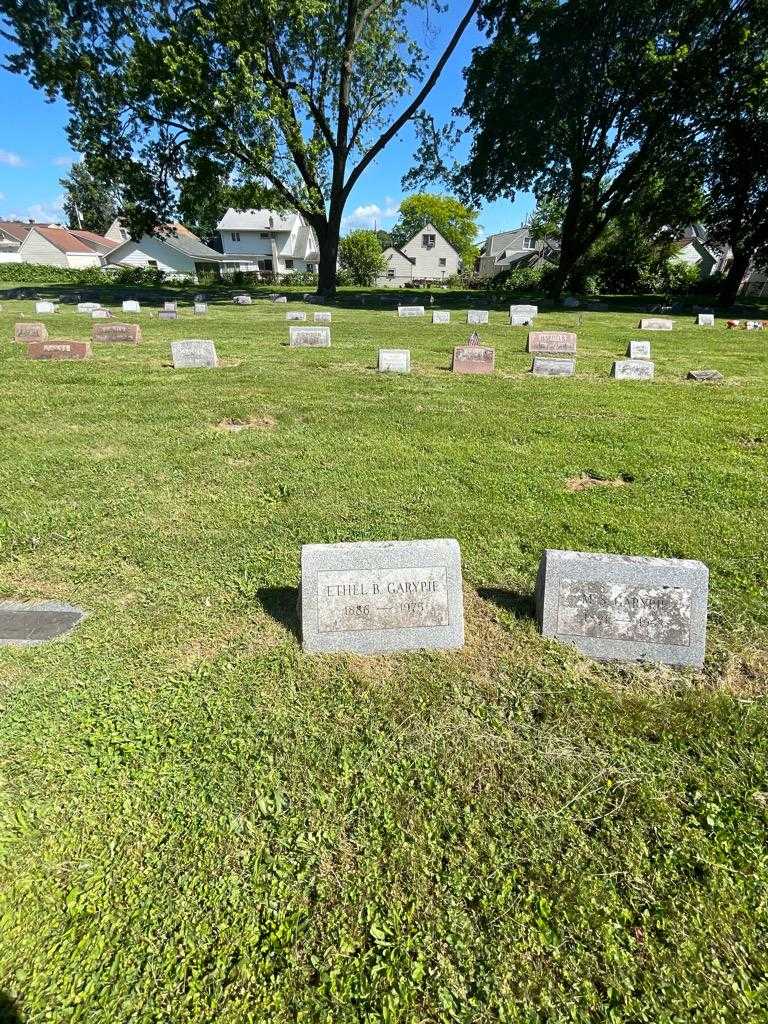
199	823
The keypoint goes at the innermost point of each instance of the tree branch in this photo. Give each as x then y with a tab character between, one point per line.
412	107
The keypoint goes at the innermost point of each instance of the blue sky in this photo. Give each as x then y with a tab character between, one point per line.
34	152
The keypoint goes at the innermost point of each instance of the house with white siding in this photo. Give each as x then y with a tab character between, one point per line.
266	242
508	250
428	256
174	250
62	247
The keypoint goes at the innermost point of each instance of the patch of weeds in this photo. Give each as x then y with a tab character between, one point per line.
592	478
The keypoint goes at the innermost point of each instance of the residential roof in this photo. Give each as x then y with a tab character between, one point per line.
18	229
190	245
257	220
431	227
74	241
393	249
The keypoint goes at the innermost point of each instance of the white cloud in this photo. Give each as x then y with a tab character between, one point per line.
372	215
11	159
63	161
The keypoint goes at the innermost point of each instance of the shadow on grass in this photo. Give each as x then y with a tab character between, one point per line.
280	604
522	606
9	1010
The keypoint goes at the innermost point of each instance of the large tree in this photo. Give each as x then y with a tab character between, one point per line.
289	101
452	218
361	256
581	101
88	202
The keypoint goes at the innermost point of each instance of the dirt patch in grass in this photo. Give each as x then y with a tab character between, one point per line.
234	426
746	674
752	442
584	481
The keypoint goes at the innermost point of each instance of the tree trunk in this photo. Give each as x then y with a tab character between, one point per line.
738	268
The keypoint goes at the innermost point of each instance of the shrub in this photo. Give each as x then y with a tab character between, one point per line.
361	256
33	273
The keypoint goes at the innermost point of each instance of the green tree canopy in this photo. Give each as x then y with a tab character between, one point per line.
88	202
281	104
455	221
361	256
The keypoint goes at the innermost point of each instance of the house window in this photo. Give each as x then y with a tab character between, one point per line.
443	261
310	268
265	265
235	236
428	241
391	275
289	264
528	242
124	234
152	263
264	234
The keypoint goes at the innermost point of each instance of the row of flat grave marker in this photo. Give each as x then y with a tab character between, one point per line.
384	597
319	318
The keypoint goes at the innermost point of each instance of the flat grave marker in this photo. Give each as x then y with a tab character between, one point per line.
168	314
394	360
59	348
44	307
639	350
131	306
477	316
410	311
101	314
194	353
543	367
705	320
201	308
309	337
624	607
242	300
130	333
656	323
170	307
705	376
323	318
555	342
522	312
88	307
441	316
295	315
381	597
633	369
30	332
29	624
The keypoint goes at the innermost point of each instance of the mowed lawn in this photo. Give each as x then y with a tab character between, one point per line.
199	823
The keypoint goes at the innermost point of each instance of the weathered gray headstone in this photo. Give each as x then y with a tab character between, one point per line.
639	350
553	367
477	316
552	341
44	307
281	298
170	307
27	625
632	369
441	316
656	323
309	337
410	311
520	321
295	315
168	314
201	308
101	314
130	333
242	300
131	306
193	353
525	312
623	607
323	318
394	360
31	331
705	320
381	597
88	307
705	376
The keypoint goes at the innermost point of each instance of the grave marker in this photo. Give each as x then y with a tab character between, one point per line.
44	307
88	307
59	348
441	316
131	306
705	320
623	607
242	300
381	597
656	323
543	367
309	337
130	333
170	307
201	308
526	313
394	360
168	314
100	314
552	341
30	332
410	311
34	623
632	369
639	350
473	357
477	316
193	353
295	316
322	318
705	376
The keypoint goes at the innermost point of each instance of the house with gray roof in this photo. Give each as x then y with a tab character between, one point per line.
266	242
509	250
174	250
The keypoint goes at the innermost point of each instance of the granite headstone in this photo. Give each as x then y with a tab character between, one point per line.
59	348
34	623
543	367
477	316
656	323
441	316
639	350
394	360
30	332
632	369
130	333
705	376
410	311
563	342
193	353
309	337
705	320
